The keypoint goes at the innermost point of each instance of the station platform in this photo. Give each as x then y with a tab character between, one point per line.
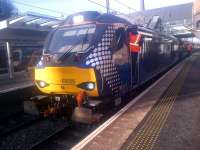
20	81
166	116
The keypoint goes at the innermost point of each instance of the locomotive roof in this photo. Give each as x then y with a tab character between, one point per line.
98	17
109	18
94	16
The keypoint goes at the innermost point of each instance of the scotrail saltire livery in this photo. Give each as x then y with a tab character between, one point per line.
95	59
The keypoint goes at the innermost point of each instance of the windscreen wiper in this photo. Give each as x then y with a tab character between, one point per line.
67	52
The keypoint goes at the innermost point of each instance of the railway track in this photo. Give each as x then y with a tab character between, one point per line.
66	138
35	133
16	122
32	134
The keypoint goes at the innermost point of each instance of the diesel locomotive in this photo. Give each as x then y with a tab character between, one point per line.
93	58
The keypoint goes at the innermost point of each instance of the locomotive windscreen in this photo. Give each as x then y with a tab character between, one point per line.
71	39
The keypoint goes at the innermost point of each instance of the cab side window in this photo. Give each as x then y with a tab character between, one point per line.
120	49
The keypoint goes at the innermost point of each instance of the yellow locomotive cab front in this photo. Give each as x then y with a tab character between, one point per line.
66	80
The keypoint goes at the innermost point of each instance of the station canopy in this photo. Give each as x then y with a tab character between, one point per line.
176	20
30	21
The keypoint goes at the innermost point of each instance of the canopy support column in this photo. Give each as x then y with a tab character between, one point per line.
10	64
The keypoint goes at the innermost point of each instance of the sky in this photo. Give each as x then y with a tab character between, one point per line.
67	7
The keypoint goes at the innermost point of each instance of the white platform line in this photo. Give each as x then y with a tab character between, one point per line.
16	88
92	135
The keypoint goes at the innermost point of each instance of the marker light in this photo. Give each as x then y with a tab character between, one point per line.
40	63
42	84
78	19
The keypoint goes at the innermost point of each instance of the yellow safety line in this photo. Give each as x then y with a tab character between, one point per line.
149	130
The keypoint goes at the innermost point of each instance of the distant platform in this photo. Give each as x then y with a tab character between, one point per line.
165	116
20	81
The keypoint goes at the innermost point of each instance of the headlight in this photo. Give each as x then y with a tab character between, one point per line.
42	84
87	86
90	86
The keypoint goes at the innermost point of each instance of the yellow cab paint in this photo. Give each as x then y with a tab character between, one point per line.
64	80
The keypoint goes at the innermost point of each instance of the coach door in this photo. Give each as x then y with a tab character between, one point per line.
134	48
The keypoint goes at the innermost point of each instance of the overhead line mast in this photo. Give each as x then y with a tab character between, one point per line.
108	6
142	5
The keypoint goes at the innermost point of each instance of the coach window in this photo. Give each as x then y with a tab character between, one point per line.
120	48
